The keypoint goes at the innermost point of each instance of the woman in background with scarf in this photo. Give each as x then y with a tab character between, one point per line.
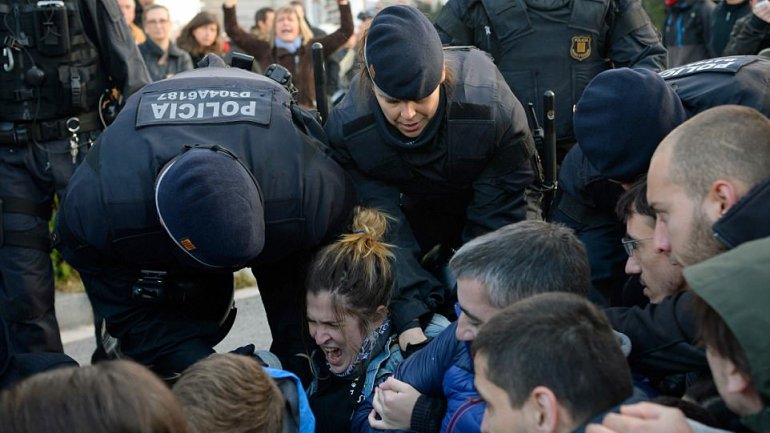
290	44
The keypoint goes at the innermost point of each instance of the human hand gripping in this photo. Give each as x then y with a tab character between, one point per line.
393	402
643	418
230	3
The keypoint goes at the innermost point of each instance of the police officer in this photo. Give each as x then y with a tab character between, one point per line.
435	139
619	121
202	174
557	45
58	60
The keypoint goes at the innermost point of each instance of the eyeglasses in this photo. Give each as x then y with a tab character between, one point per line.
162	22
630	245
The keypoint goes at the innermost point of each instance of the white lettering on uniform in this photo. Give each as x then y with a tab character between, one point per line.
250	109
190	111
159	109
230	108
202	110
214	107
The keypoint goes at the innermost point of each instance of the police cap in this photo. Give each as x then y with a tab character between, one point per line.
211	206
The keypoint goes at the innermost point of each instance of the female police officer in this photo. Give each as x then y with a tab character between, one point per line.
436	139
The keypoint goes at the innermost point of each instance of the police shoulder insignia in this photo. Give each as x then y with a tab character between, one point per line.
187	244
580	49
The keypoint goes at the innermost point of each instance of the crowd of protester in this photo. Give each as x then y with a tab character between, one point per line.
415	274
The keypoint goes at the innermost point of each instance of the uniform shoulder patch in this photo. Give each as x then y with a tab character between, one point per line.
729	65
580	48
204	105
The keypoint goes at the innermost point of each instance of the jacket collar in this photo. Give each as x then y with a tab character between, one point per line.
747	220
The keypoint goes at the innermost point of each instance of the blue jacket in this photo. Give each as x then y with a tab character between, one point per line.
442	369
378	369
297	417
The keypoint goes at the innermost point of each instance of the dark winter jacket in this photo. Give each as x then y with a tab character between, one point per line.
723	19
750	35
687	31
734	284
178	60
441	371
481	182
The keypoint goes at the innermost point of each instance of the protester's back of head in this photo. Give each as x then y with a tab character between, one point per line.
228	393
524	259
558	341
114	396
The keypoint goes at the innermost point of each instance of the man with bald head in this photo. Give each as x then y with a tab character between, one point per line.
699	174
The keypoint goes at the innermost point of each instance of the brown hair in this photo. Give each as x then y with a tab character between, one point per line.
110	396
187	41
714	333
356	269
230	393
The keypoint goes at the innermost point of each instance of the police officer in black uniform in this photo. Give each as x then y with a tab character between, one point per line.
200	175
619	121
435	139
556	45
58	60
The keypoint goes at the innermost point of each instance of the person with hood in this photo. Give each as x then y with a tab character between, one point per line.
619	121
694	222
732	302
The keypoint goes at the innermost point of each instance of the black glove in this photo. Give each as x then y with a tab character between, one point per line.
247	350
411	349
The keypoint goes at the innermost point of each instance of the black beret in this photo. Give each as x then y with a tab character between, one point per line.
622	117
403	53
211	206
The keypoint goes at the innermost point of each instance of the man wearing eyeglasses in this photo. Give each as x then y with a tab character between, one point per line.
658	275
162	57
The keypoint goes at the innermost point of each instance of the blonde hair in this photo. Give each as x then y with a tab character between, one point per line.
228	393
304	30
356	269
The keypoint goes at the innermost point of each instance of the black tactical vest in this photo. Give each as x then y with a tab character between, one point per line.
546	45
468	134
50	68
